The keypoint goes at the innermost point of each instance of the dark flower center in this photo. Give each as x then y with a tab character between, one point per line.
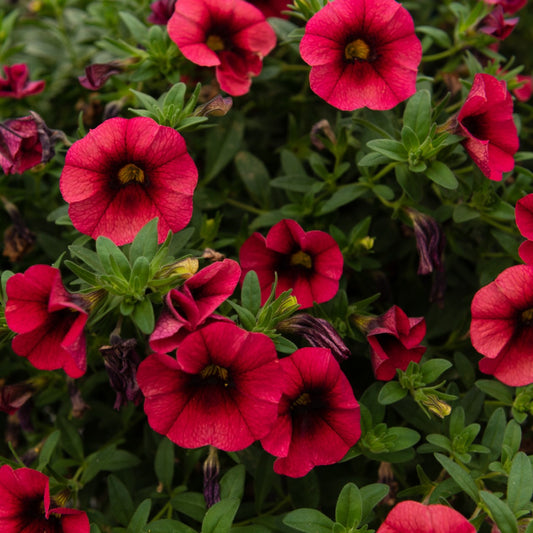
130	173
300	258
302	400
476	126
215	374
527	317
215	43
357	50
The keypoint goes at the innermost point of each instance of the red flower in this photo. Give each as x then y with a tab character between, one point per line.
161	11
191	306
413	517
310	263
318	417
271	8
486	120
363	53
523	93
394	340
496	25
222	389
123	174
48	319
16	84
232	36
502	326
509	6
26	505
524	221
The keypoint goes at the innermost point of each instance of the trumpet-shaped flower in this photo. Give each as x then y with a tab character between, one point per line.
222	389
524	221
232	36
123	174
16	83
310	263
318	417
502	326
48	320
363	53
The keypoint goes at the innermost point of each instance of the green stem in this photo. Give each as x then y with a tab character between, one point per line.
244	207
294	68
443	54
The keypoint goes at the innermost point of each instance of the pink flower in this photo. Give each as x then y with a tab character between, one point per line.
496	25
413	517
318	417
222	389
486	120
394	340
523	93
192	305
232	36
310	263
524	221
363	53
16	84
49	321
509	6
123	174
26	506
161	11
502	326
271	8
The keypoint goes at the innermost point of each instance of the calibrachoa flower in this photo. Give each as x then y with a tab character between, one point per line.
26	506
232	36
394	340
192	305
486	120
363	53
271	8
222	389
123	174
16	83
48	320
413	517
318	417
98	73
496	25
509	6
161	11
502	326
524	221
523	93
310	263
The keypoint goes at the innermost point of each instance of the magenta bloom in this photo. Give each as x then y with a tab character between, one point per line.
192	305
16	83
509	6
413	517
363	53
486	120
394	340
310	263
161	11
222	389
48	319
496	25
20	145
524	221
232	36
123	174
271	8
502	326
318	417
26	506
523	93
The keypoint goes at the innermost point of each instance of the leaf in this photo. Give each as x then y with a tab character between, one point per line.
497	390
167	525
48	449
520	484
110	459
349	509
219	517
251	292
296	183
246	318
392	149
232	483
134	25
255	177
145	242
223	143
409	138
120	500
405	438
391	392
371	495
460	476
309	521
108	250
464	213
342	196
143	316
417	114
439	36
439	173
140	517
432	369
164	462
499	512
70	439
191	504
493	436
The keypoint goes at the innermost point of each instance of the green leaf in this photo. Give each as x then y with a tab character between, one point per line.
223	143
411	183
140	274
342	196
82	273
143	316
48	449
164	462
219	517
70	439
191	504
255	177
439	173
251	292
520	484
439	36
166	525
284	345
459	475
371	495
493	436
112	258
464	213
140	517
497	390
246	318
441	441
89	257
499	512
391	392
232	483
349	509
409	138
145	242
404	438
417	114
136	28
120	500
296	183
263	481
107	459
432	369
309	521
304	491
392	149
372	159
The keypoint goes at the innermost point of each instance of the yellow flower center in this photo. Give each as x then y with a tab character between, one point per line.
129	173
215	43
218	372
357	49
527	316
300	258
302	400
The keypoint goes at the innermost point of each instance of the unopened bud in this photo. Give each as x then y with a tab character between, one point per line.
211	485
436	405
216	107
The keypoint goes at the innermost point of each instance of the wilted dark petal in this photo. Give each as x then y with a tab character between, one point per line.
161	11
216	107
211	484
13	397
322	127
98	73
430	241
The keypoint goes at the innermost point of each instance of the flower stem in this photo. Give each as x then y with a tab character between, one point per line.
244	207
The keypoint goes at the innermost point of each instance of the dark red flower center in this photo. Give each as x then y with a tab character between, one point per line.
214	374
357	50
301	259
475	124
215	43
302	400
526	317
130	173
